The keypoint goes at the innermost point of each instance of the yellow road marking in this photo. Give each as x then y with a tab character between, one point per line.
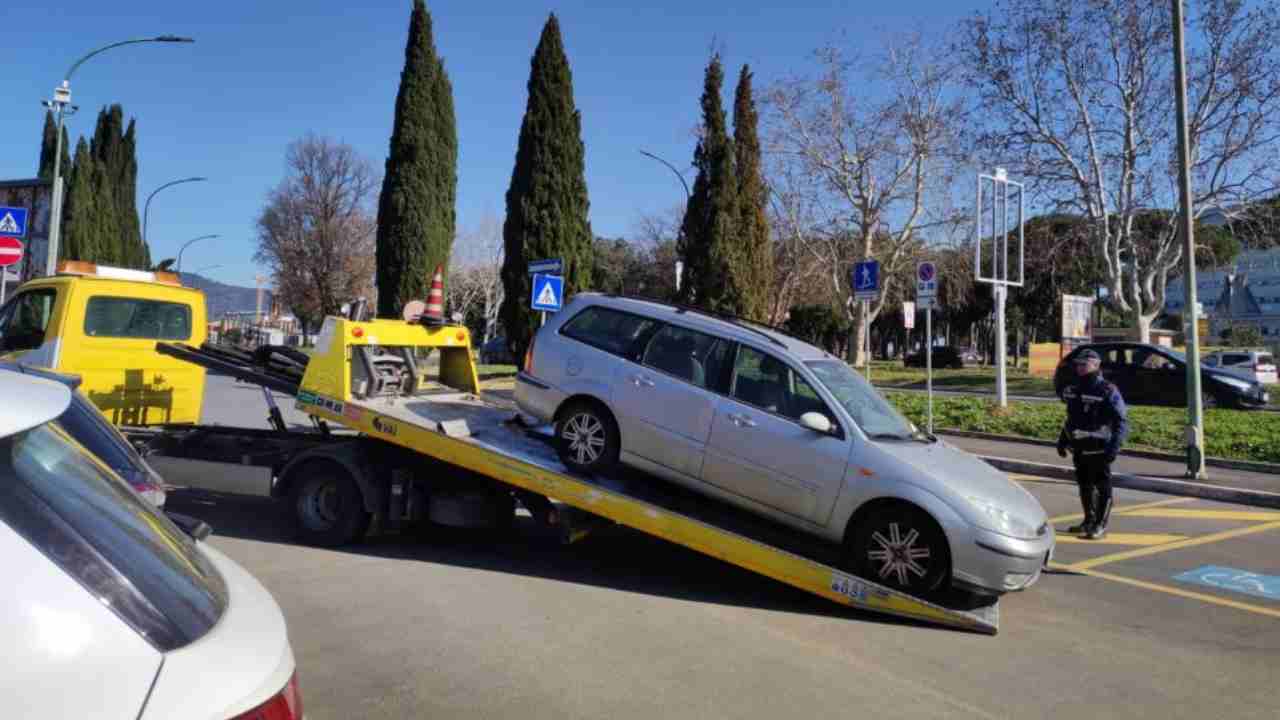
1124	539
1038	479
1207	514
1212	599
1191	542
1125	510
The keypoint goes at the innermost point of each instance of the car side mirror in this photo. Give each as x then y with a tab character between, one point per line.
816	422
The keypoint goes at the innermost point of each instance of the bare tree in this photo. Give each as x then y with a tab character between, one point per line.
475	274
876	137
316	231
1077	96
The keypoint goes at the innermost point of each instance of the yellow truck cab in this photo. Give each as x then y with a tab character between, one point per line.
102	323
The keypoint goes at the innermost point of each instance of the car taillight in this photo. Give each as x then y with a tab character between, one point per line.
528	356
285	705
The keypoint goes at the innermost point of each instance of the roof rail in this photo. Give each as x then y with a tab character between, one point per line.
748	325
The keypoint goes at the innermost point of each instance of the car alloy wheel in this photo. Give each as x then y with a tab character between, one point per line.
584	436
897	556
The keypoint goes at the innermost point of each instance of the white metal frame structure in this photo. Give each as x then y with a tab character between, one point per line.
1000	229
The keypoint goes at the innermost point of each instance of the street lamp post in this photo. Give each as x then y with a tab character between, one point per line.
59	106
146	210
688	196
178	267
1195	425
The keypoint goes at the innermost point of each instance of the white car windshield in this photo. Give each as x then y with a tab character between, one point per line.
877	418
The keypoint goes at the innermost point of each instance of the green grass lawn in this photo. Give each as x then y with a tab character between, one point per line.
1232	434
977	379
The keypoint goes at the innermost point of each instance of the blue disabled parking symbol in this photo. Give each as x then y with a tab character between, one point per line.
548	292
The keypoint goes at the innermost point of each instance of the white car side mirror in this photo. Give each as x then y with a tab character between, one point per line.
816	422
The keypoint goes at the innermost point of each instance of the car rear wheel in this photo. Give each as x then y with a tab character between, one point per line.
587	438
328	506
901	547
1208	400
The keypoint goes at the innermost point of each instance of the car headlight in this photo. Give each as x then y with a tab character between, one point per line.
1241	385
1000	520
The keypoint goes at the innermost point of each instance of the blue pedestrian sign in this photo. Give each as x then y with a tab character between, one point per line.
13	222
548	292
865	280
554	266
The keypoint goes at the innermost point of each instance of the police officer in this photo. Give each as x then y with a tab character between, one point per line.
1096	427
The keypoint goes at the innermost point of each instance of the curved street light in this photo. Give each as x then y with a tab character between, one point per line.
672	168
178	267
59	106
146	210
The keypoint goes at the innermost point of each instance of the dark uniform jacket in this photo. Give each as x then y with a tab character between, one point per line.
1097	422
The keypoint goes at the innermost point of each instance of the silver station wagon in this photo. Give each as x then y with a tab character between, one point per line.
756	418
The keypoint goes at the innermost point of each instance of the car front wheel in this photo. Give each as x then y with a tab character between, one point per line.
901	547
587	438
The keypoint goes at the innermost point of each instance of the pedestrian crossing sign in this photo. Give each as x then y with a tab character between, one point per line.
13	222
548	292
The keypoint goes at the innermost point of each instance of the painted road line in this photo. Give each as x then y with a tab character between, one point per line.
1191	542
1249	515
1241	581
1211	599
1111	538
1038	479
1125	510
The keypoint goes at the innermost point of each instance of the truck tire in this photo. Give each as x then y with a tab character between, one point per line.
327	505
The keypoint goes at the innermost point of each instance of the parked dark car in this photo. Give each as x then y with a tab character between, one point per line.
495	352
943	357
1153	375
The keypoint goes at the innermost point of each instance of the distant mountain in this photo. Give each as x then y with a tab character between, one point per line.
221	298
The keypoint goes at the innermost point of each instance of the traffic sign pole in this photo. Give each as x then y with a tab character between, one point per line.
928	360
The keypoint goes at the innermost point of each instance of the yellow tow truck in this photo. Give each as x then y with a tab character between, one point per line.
102	323
423	444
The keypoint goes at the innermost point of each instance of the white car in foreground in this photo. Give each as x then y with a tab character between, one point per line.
110	609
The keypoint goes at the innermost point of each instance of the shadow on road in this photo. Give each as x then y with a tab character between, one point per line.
618	558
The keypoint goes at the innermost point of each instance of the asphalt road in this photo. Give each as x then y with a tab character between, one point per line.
623	625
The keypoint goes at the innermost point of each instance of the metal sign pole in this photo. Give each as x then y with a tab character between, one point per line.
866	329
544	319
928	360
4	283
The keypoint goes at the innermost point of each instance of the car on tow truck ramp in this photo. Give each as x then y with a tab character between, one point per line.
782	429
149	620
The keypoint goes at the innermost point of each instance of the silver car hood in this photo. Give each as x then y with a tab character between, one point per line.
954	475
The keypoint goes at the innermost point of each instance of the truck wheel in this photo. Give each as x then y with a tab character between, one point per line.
901	547
587	438
328	506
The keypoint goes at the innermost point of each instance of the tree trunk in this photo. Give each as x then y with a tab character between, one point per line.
1143	326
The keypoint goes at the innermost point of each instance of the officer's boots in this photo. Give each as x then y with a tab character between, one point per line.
1098	530
1086	502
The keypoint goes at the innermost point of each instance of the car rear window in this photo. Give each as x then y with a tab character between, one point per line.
121	317
610	330
89	522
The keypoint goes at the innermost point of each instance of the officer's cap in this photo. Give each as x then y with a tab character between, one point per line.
1087	355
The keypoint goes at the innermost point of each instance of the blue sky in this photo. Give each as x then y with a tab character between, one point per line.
262	74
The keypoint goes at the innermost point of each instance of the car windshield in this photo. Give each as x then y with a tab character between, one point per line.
877	418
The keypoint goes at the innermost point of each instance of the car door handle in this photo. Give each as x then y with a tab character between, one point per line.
640	381
741	420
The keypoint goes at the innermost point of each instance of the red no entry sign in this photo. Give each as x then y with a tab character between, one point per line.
10	250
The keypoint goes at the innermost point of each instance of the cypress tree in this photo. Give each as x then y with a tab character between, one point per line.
707	235
46	151
547	200
114	148
81	227
416	213
127	196
753	266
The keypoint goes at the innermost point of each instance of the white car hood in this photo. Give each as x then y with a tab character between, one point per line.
240	664
955	475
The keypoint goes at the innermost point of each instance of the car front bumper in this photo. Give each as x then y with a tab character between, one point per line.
995	564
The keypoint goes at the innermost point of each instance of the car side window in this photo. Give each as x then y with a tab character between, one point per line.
768	383
694	357
1211	361
25	319
609	330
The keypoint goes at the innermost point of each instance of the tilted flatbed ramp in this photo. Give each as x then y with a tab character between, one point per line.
464	430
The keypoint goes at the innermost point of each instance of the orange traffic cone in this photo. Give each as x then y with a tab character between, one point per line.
434	314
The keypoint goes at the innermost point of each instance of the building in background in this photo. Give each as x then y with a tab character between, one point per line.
1248	292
